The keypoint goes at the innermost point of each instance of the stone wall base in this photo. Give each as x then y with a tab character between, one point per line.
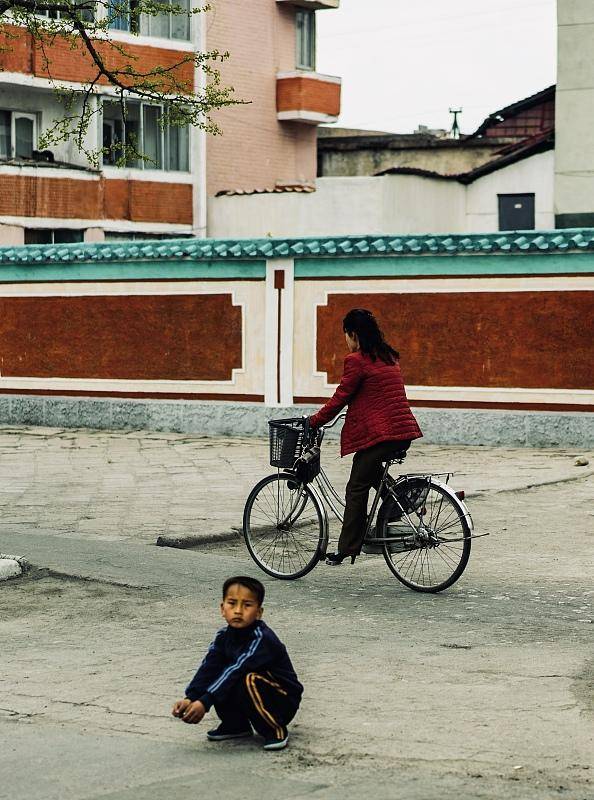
440	426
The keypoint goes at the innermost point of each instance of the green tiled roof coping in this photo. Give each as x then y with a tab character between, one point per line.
554	241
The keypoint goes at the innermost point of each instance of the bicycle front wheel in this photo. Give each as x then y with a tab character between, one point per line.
283	527
432	550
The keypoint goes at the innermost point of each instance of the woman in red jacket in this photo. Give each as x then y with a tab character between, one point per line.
378	421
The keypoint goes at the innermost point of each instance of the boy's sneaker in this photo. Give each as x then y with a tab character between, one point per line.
276	744
220	734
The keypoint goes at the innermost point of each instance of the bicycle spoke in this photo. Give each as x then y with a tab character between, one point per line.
283	527
433	562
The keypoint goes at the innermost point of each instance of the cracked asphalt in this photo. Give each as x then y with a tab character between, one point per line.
484	691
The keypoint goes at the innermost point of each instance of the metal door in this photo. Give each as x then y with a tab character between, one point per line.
516	212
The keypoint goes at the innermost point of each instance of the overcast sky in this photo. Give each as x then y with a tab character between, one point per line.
406	62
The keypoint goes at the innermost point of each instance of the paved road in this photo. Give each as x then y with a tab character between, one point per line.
485	691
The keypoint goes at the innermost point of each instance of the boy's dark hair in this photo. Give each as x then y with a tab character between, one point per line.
253	584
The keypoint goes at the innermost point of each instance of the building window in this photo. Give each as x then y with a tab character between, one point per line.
125	16
167	146
53	235
305	22
168	26
127	236
516	212
87	14
18	134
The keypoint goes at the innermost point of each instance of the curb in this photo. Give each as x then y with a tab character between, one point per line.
12	566
186	542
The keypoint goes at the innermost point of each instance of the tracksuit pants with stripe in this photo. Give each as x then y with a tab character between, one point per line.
260	701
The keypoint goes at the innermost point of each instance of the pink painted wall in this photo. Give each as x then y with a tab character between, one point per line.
255	150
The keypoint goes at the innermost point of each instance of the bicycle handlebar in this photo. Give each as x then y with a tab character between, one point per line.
342	415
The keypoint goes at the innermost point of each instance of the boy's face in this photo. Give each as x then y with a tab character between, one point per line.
240	606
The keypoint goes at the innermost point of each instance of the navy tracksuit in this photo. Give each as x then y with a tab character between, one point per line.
248	677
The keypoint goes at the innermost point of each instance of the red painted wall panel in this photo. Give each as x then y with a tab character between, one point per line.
491	339
185	337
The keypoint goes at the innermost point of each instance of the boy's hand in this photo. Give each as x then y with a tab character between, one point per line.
179	707
194	712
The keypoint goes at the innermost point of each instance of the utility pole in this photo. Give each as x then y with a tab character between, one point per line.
455	130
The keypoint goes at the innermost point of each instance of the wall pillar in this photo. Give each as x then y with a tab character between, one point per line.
278	381
11	235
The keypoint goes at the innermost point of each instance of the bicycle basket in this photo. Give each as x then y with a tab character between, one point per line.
286	441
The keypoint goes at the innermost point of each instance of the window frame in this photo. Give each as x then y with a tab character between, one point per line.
131	17
52	237
58	15
139	24
502	196
163	133
14	115
22	115
305	37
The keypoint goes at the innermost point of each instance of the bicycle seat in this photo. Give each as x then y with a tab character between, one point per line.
396	455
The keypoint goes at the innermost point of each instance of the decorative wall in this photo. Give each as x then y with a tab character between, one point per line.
498	321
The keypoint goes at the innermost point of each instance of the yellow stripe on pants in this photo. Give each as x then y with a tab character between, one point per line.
259	705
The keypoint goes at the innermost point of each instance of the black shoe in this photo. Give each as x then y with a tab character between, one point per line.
220	734
276	744
335	559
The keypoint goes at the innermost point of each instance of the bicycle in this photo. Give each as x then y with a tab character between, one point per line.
423	527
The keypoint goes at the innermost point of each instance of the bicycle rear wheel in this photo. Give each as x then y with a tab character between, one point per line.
283	527
433	549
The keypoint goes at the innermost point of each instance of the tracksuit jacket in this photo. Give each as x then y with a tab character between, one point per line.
233	654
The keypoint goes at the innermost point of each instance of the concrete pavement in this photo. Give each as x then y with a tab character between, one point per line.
140	485
485	691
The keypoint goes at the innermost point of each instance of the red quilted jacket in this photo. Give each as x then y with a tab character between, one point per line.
378	409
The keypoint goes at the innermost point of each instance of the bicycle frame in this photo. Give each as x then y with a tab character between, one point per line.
332	499
410	517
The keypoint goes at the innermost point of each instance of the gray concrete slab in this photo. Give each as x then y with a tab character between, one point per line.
454	426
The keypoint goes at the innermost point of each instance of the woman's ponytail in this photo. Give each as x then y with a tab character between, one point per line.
371	339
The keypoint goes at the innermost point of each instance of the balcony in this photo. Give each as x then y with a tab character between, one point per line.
314	5
307	97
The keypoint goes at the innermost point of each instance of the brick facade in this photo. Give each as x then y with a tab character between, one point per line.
68	62
99	198
307	94
106	337
148	201
256	150
29	196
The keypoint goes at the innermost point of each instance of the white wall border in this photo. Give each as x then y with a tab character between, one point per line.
244	295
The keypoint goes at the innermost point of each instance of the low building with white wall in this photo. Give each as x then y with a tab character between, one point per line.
409	202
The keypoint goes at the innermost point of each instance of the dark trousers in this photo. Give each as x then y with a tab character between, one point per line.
259	700
366	471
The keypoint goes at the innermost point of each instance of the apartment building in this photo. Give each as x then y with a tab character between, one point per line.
269	141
